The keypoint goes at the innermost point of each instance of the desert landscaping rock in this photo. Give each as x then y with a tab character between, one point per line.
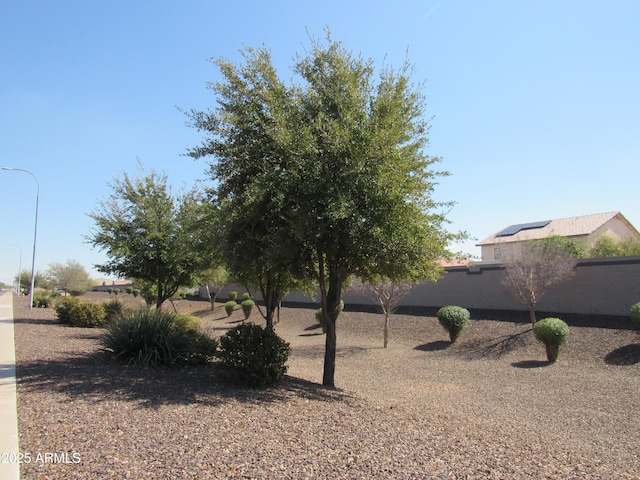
489	406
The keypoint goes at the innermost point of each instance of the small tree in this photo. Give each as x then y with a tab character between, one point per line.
533	268
71	277
147	234
387	294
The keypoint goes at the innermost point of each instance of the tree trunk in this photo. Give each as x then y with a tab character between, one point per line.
386	330
532	314
330	301
552	352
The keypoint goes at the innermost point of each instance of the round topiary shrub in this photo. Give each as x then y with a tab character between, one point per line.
554	333
246	296
252	355
454	320
229	307
63	306
86	314
233	295
154	338
247	307
635	314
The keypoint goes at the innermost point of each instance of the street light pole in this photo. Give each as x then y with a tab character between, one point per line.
35	231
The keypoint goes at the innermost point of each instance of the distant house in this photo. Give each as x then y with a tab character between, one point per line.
586	228
113	284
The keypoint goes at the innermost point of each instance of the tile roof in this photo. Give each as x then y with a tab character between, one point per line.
566	227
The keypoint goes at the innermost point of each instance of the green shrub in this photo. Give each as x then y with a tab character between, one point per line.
154	338
635	314
233	295
42	299
229	307
190	322
63	306
320	316
135	292
86	314
129	290
110	291
554	333
247	307
114	309
253	356
454	320
246	296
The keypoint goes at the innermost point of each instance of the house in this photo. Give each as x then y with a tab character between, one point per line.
586	228
113	284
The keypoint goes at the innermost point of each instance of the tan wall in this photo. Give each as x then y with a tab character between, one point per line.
605	286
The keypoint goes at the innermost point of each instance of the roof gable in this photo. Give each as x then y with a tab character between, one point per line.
565	227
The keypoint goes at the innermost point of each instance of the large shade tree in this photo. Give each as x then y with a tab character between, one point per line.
146	231
335	167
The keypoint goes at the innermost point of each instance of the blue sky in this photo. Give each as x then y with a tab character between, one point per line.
535	104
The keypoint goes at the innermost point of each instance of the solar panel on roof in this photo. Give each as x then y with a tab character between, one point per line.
513	229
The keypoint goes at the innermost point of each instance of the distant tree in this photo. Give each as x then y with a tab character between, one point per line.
71	277
339	165
574	248
146	237
607	246
40	281
532	268
387	294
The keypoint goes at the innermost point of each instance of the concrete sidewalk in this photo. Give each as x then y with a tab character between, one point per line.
9	449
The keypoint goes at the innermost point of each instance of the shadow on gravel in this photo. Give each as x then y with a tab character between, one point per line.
433	346
627	355
95	377
495	347
531	364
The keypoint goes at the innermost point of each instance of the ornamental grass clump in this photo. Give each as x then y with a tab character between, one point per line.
635	314
156	338
114	309
554	333
454	320
253	356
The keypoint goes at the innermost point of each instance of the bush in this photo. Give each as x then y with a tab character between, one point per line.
229	307
85	314
42	299
454	320
190	322
135	292
233	295
63	306
246	296
554	333
154	338
114	309
129	290
247	307
635	314
253	356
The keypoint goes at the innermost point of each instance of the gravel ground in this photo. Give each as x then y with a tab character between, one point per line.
489	406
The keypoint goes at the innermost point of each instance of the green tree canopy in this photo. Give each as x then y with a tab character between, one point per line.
335	170
71	277
142	228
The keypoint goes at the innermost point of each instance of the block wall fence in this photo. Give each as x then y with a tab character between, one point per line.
603	286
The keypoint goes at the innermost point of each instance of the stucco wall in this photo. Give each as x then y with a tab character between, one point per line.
607	286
